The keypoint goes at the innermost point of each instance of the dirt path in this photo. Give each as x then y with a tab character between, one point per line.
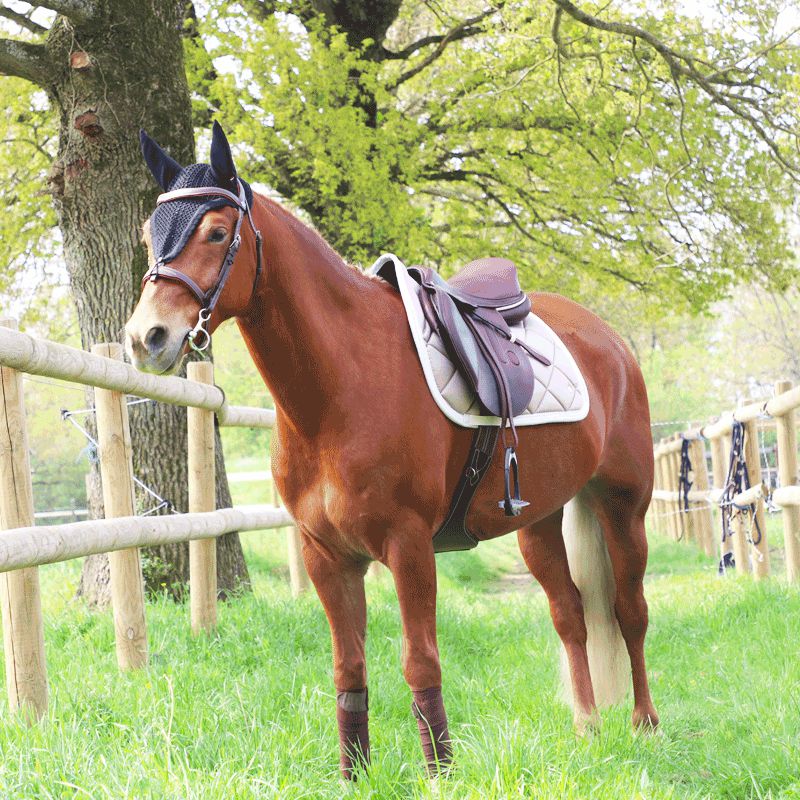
517	579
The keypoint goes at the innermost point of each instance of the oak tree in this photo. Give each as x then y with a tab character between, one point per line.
108	68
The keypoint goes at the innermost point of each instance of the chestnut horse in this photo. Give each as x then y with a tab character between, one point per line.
367	464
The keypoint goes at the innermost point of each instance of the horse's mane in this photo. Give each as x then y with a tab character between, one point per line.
307	232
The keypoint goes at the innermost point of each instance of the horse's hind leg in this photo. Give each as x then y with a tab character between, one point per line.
621	515
542	547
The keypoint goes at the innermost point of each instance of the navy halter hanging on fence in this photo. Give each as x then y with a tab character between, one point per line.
685	481
738	480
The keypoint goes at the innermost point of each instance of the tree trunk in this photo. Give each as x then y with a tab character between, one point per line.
114	74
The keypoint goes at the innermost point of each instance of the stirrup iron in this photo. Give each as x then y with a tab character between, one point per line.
512	505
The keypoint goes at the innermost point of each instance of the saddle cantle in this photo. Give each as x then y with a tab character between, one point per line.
472	313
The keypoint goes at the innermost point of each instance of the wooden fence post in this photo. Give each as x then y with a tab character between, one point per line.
664	506
652	519
655	519
202	497
719	471
703	519
752	457
787	475
116	473
26	670
677	516
298	577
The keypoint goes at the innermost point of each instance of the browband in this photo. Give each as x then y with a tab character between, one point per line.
205	191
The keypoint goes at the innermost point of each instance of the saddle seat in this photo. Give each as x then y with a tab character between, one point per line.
472	313
490	283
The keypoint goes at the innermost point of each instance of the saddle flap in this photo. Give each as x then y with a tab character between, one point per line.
459	339
496	367
506	365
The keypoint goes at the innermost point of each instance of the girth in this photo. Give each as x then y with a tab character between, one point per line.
453	533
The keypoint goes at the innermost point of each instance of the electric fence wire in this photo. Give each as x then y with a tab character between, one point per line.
92	448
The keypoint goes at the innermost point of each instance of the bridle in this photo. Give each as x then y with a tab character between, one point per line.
208	300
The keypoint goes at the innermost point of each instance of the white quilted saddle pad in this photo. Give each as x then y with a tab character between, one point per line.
560	393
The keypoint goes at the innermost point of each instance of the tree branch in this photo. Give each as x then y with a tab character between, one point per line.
76	10
686	65
24	60
469	27
452	35
23	20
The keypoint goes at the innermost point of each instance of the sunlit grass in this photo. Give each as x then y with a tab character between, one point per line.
249	712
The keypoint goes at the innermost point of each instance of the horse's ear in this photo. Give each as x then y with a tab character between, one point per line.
163	166
221	158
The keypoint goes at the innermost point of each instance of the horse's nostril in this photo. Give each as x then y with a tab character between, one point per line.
156	339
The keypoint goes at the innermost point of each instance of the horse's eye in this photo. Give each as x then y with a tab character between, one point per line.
217	235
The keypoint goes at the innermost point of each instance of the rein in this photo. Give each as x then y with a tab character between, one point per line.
208	300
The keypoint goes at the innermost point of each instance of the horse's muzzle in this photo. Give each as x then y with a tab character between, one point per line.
158	351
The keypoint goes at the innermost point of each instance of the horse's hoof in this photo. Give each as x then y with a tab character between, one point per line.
645	720
587	724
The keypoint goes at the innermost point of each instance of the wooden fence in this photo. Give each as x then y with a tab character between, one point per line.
751	553
24	547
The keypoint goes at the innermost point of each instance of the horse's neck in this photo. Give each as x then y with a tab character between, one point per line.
304	320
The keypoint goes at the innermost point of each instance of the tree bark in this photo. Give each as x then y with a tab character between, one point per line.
113	73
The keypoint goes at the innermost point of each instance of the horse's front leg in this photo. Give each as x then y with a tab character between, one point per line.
411	561
339	582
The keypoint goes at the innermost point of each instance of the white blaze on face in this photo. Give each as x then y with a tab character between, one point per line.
156	332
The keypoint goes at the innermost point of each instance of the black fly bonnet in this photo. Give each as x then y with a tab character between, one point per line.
189	193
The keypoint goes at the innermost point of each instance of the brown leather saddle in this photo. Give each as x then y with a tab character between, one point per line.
472	313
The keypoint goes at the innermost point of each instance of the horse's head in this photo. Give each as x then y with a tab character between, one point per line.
195	281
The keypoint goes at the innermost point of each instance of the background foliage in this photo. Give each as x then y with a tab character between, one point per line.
639	157
582	154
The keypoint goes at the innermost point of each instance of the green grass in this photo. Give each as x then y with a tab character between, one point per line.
249	712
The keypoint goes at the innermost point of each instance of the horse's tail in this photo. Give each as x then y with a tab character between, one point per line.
590	566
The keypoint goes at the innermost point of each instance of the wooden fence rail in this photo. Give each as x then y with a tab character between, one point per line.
24	547
35	356
670	518
50	544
